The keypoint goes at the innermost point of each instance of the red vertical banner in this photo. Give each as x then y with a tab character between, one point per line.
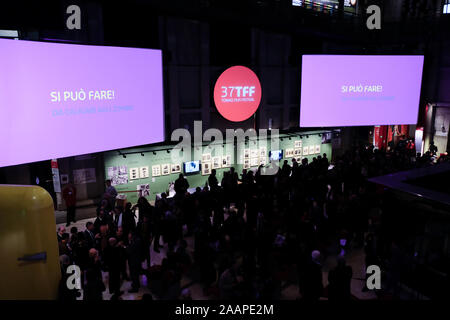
383	137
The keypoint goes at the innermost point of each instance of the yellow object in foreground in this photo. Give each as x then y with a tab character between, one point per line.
29	259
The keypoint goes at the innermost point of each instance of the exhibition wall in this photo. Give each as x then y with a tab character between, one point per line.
124	171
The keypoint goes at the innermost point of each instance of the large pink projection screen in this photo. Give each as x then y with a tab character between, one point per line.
60	100
360	90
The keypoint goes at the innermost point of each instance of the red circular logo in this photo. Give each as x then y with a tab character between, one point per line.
237	93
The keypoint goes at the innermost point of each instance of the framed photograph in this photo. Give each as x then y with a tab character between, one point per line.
297	152
143	172
246	163
246	153
143	189
226	161
206	157
134	173
216	162
165	168
262	161
64	178
156	170
317	149
289	153
206	168
298	144
254	153
311	149
175	168
305	151
254	162
262	152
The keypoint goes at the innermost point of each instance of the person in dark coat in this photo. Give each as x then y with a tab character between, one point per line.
69	195
94	282
89	234
181	185
103	219
64	293
134	255
339	280
128	221
112	261
144	230
313	286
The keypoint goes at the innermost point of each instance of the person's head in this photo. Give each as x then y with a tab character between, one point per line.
108	183
65	238
324	155
118	210
213	172
185	294
181	176
315	256
119	232
90	226
104	229
128	206
73	230
112	241
64	260
93	253
61	230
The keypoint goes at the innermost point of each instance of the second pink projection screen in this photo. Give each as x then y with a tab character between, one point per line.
351	90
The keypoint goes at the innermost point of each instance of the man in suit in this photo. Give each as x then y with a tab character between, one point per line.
89	234
118	218
60	233
112	261
134	255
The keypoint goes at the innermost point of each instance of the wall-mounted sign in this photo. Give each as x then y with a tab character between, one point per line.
237	93
82	176
55	173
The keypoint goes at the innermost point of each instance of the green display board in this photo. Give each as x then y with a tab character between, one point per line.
138	158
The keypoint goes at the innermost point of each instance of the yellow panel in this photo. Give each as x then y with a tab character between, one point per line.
27	227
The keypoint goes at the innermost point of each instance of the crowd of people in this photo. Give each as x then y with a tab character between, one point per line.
251	232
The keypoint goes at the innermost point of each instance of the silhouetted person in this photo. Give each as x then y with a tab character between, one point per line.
339	280
69	195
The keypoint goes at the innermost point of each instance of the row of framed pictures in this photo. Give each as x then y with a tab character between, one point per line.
217	162
208	163
255	153
165	169
251	158
302	151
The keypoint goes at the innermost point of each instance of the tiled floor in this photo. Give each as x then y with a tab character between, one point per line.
289	291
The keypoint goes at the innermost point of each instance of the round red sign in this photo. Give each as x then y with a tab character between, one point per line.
237	93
